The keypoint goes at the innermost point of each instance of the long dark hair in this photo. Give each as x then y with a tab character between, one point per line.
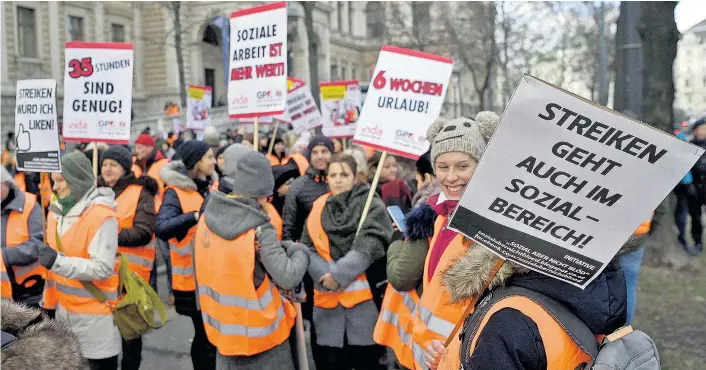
341	158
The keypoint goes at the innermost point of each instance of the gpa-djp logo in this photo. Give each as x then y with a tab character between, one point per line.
111	124
409	137
264	94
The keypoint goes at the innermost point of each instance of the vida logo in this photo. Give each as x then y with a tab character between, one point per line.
373	131
240	101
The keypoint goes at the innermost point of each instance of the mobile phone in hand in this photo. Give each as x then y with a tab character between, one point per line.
397	217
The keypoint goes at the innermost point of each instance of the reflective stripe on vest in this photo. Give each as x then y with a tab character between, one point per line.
181	251
49	298
436	316
75	241
240	319
358	291
16	232
560	349
140	259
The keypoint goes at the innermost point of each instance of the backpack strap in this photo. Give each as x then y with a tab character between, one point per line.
574	327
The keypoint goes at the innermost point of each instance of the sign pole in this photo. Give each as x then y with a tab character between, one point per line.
344	141
42	176
95	163
255	136
301	342
272	139
373	186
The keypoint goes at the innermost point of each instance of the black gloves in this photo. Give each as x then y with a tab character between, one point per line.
47	256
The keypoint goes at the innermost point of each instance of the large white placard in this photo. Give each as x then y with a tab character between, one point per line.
258	61
199	107
340	107
404	98
564	182
98	92
36	126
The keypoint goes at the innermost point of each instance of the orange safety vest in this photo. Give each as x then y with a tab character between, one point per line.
560	349
136	170
140	259
45	190
71	293
300	160
357	291
394	326
274	160
17	232
275	219
21	181
240	319
436	317
644	227
181	251
154	172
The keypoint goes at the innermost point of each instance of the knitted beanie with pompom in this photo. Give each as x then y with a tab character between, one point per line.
462	135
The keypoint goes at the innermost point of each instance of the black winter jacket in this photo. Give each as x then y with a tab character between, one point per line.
144	222
297	205
699	169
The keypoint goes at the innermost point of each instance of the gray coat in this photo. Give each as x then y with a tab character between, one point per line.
25	254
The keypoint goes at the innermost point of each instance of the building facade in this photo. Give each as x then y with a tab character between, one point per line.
690	70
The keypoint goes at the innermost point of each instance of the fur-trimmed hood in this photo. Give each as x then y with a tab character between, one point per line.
176	174
601	305
42	343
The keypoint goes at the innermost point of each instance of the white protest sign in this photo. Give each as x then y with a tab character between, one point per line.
340	107
258	61
98	92
301	110
36	126
404	98
563	182
198	107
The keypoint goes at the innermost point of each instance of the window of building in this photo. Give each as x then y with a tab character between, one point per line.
354	73
334	72
27	32
117	32
210	35
343	73
340	16
421	17
76	29
350	17
375	19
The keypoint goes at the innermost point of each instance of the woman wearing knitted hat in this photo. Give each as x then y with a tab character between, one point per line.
136	217
344	311
82	233
413	265
188	181
519	324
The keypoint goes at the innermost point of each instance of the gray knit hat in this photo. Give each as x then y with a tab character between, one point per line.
230	159
462	135
254	176
78	172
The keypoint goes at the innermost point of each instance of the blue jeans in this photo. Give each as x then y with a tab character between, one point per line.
630	263
163	247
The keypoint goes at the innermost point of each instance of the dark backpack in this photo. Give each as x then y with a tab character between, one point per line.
624	349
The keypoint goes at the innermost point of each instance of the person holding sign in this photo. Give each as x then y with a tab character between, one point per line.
22	275
82	233
344	312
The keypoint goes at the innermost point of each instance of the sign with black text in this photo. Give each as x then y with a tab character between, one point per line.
36	126
98	92
564	182
258	61
301	110
404	98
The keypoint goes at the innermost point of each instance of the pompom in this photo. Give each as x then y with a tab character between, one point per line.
435	128
487	122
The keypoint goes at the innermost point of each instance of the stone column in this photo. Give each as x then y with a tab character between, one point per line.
54	47
344	17
99	13
3	41
137	45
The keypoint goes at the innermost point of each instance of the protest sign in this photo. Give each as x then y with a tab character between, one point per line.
98	92
564	182
404	98
258	61
340	107
36	126
301	110
199	106
264	120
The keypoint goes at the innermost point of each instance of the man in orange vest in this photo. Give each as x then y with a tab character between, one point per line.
22	235
241	262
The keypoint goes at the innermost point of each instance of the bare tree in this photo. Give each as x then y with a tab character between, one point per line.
174	8
659	34
471	28
410	26
313	48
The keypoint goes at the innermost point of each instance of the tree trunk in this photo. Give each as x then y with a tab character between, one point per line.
659	34
313	49
176	12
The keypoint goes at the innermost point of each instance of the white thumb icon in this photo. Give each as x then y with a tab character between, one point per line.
23	141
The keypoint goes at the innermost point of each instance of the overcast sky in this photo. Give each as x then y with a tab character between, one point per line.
689	12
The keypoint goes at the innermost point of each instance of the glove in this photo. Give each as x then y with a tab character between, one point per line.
47	256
